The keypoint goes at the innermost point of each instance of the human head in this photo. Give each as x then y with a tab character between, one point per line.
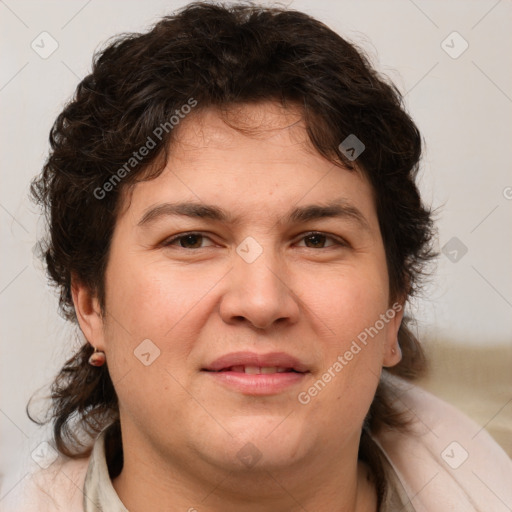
224	58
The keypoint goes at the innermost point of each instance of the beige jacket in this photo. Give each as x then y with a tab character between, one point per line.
447	463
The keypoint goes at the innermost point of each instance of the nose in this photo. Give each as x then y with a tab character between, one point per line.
259	293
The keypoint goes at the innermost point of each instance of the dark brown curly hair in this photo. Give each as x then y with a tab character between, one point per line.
222	56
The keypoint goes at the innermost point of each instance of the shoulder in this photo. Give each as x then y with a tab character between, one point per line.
446	461
53	489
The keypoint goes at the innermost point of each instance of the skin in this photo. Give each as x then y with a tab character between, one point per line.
307	297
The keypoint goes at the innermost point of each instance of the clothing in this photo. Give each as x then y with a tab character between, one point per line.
445	463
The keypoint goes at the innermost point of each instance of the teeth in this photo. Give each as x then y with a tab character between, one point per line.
265	369
256	370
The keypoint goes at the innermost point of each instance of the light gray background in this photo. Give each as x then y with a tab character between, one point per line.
462	106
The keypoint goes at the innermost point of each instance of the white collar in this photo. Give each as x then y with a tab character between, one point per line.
99	493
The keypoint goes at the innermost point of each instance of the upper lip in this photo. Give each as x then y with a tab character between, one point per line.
273	359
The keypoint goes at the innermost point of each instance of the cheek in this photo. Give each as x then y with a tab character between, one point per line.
153	299
141	310
350	304
149	337
348	300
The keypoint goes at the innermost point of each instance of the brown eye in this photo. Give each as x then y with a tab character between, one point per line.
318	241
191	241
187	241
315	240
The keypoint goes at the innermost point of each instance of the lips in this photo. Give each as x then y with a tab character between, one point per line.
253	363
249	373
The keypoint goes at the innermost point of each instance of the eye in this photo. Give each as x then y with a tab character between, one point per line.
187	241
317	240
313	240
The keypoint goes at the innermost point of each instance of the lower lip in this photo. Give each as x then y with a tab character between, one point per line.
257	384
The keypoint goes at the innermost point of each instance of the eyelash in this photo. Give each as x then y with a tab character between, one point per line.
338	241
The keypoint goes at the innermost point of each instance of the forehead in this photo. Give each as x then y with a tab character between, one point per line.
240	132
247	157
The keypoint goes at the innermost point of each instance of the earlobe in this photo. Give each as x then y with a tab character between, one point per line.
392	350
88	313
393	357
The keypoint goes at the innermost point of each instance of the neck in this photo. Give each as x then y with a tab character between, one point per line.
338	483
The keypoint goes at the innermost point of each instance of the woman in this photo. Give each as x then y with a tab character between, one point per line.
235	227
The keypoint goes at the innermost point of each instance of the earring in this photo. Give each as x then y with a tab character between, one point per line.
97	358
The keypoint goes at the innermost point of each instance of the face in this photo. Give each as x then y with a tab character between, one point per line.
253	327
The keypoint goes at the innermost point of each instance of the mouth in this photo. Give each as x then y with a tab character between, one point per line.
256	370
257	374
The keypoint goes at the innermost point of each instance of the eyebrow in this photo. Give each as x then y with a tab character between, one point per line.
340	208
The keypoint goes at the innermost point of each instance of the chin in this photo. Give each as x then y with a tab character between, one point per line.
263	442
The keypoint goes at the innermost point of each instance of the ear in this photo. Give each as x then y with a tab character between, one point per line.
88	313
392	354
